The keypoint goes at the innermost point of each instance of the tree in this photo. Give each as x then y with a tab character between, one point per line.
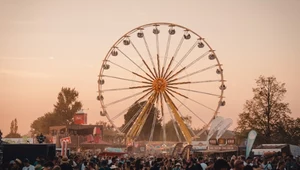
170	129
146	131
264	111
42	124
66	106
288	131
13	130
109	133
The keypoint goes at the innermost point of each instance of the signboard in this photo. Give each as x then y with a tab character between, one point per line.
80	119
230	141
66	139
109	149
222	141
199	148
213	142
222	147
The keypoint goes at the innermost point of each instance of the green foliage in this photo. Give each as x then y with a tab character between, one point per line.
13	135
110	134
268	114
170	129
66	106
288	131
146	130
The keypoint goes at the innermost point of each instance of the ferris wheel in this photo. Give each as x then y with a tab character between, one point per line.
164	71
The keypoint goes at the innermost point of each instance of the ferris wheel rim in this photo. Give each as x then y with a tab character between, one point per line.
114	46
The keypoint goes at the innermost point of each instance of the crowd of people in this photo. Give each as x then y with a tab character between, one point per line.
88	162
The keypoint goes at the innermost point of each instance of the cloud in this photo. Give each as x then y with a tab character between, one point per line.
24	74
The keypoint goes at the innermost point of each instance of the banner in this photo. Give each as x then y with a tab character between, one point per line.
64	147
226	123
18	140
251	138
215	124
66	139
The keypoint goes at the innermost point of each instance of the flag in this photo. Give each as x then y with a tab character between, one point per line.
215	124
226	123
251	138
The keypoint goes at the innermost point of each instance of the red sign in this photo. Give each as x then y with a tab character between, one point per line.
80	119
66	139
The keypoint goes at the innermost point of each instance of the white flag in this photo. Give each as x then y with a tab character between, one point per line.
226	123
215	124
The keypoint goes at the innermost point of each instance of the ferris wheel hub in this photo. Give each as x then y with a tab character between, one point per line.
159	85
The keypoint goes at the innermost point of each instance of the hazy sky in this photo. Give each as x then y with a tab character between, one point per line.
45	45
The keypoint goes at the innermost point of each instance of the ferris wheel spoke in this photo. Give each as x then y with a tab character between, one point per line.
166	54
187	107
130	122
150	56
141	76
189	65
179	83
197	59
195	82
129	71
158	65
191	99
175	74
174	124
157	44
127	97
126	88
135	63
201	104
140	121
125	79
119	66
185	56
157	54
144	119
153	123
139	54
196	72
195	91
168	90
164	117
169	65
135	115
121	113
174	56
